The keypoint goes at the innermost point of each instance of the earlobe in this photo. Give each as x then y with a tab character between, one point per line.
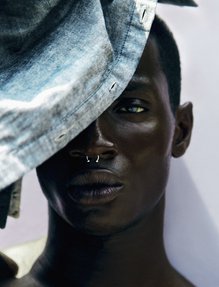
183	129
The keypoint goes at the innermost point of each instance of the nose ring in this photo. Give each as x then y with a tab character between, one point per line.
97	160
87	158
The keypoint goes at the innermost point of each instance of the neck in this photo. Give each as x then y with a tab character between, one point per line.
132	257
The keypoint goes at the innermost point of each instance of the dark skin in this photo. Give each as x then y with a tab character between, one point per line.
115	240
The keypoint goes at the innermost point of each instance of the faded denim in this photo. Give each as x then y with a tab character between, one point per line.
62	64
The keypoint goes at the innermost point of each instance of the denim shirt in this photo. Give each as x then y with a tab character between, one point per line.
53	88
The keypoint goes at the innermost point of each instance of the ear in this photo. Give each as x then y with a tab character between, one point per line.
183	129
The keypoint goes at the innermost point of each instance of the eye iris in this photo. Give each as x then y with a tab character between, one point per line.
132	109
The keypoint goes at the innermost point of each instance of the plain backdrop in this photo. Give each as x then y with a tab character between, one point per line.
192	203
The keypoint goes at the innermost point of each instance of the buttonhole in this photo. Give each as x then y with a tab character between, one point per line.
60	137
113	86
143	15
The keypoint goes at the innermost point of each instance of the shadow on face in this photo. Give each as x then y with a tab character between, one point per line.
114	173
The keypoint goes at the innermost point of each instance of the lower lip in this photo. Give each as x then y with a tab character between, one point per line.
94	196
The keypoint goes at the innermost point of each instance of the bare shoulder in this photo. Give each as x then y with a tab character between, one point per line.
25	281
8	268
9	282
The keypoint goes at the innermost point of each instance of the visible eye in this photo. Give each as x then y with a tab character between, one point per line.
131	106
134	109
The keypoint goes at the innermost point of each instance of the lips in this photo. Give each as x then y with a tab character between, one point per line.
94	187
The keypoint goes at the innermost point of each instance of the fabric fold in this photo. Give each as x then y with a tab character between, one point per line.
67	79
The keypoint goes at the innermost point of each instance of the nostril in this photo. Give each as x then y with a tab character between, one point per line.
108	154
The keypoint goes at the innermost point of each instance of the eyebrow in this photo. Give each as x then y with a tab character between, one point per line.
138	81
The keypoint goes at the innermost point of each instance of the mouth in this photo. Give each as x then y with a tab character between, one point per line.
94	188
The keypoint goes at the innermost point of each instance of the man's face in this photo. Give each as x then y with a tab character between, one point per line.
133	139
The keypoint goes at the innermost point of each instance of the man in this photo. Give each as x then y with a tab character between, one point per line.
106	188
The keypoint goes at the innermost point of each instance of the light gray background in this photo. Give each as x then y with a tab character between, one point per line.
192	207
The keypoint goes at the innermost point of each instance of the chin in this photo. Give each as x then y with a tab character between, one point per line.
96	228
96	225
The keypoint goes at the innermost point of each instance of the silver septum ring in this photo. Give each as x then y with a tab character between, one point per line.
97	159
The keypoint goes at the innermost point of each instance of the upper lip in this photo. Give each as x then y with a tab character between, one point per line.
95	177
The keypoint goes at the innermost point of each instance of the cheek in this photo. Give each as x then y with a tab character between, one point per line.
53	191
51	179
55	171
136	141
146	151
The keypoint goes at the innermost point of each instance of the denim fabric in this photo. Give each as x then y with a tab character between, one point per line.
5	197
10	202
58	79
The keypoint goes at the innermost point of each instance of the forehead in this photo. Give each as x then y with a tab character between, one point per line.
149	64
149	73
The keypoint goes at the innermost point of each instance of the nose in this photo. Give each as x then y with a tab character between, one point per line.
95	141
